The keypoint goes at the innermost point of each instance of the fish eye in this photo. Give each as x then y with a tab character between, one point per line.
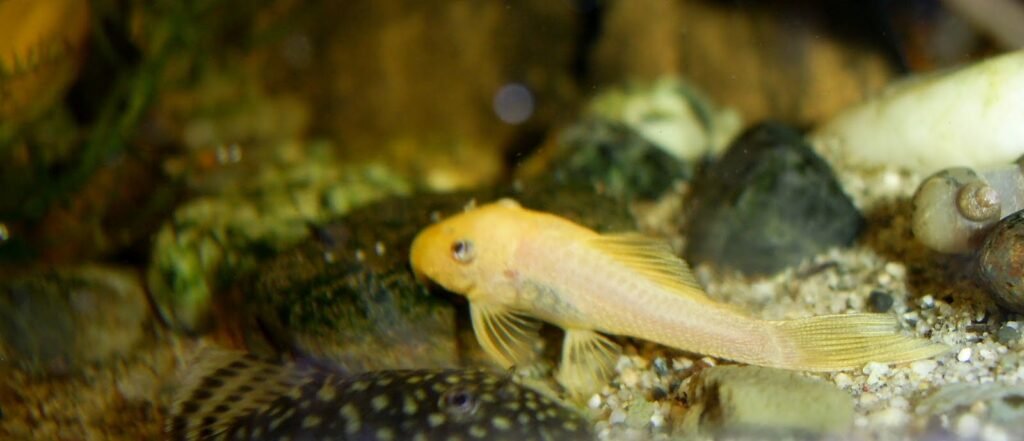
463	251
459	401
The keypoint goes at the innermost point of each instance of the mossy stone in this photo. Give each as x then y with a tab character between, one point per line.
732	401
609	157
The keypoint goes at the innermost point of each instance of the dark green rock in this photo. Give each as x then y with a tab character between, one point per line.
349	296
767	204
56	321
611	158
880	301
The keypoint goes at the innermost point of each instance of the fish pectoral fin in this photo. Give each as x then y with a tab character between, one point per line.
652	260
505	335
588	361
223	386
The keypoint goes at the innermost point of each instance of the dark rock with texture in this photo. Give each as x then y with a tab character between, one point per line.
1001	262
56	321
767	204
348	295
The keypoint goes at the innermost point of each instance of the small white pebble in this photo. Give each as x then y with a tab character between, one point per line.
967	426
618	417
899	402
927	301
379	248
896	270
648	379
842	380
987	354
923	367
884	279
657	420
860	421
891	417
992	432
682	364
867	399
640	362
876	368
630	378
623	364
875	372
613	401
964	355
595	401
709	361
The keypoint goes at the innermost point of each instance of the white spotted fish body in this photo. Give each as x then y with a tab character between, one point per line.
241	397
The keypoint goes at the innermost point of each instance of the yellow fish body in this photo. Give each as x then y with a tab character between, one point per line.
516	266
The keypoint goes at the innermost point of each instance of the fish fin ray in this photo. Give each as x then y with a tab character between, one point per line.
847	341
652	259
505	335
588	361
240	382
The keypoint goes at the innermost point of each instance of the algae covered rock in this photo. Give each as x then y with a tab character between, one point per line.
348	295
55	321
635	141
737	401
213	240
611	158
670	114
767	204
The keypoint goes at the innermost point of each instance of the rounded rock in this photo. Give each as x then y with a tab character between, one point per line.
1001	262
1007	334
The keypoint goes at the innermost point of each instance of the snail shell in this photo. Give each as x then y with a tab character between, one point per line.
1001	262
952	208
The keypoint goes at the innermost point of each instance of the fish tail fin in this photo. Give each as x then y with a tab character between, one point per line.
222	386
846	341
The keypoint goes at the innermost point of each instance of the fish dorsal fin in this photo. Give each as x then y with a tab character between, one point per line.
224	385
652	259
505	335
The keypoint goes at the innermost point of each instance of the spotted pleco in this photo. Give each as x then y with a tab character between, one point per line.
232	396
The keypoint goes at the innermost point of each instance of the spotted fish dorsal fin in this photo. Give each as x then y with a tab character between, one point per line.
653	260
505	335
224	385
